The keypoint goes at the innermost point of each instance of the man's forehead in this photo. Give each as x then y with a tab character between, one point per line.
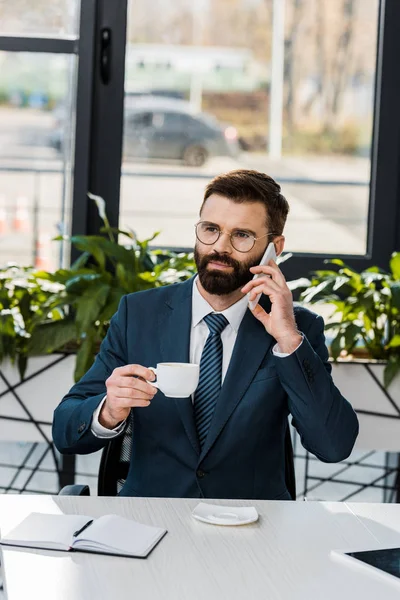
221	210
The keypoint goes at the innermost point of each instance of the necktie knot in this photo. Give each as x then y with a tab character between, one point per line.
216	323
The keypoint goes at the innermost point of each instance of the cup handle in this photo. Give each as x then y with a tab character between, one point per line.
153	383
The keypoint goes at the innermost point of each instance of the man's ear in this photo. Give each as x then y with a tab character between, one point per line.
279	243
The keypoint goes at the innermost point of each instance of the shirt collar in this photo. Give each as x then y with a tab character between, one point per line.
200	308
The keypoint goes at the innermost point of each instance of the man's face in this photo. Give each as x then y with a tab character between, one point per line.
221	268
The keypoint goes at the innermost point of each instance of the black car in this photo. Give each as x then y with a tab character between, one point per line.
167	128
160	128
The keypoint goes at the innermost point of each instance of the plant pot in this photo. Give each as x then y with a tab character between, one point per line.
378	409
26	407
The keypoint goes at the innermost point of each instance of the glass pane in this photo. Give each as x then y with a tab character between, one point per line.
214	62
37	105
51	17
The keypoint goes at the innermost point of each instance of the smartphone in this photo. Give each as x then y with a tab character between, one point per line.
269	254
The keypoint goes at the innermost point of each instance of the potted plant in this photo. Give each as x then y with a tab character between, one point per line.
364	332
365	320
68	311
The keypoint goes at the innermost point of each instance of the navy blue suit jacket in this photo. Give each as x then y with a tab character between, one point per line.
243	456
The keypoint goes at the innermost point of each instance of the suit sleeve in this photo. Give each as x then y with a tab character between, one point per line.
325	420
73	416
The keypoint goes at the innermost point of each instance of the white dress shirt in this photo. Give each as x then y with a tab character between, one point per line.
198	335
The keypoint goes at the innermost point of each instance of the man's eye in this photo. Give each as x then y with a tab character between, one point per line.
241	235
211	228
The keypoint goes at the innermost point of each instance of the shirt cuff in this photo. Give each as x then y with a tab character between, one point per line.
277	352
102	432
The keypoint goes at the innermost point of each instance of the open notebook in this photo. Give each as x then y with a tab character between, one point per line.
109	534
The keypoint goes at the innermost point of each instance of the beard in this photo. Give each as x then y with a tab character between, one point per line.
218	282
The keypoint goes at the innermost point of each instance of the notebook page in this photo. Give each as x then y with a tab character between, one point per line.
115	534
39	530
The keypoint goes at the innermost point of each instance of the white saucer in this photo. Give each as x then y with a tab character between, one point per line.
225	515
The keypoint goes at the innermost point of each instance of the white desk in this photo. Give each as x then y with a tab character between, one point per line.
285	556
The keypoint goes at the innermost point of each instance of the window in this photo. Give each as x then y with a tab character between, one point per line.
57	17
296	101
38	78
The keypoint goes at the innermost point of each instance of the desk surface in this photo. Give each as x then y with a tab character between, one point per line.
285	556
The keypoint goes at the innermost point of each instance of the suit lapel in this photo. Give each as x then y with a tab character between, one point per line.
252	344
175	322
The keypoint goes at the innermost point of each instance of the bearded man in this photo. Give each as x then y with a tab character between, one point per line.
258	367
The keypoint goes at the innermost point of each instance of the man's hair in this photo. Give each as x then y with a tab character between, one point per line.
244	185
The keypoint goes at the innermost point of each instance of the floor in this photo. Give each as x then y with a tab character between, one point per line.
29	468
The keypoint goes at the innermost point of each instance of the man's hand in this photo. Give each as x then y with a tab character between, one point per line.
126	388
280	322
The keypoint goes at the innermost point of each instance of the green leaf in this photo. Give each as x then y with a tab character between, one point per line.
84	357
129	233
144	243
111	307
25	306
394	342
80	262
51	336
334	325
79	283
351	336
395	291
125	278
340	282
321	274
7	326
395	265
391	371
373	281
22	364
334	261
117	252
299	284
89	306
313	293
336	346
90	244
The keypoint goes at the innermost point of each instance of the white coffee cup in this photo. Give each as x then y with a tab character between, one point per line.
176	380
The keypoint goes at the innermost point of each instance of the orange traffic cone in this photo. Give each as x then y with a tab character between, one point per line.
43	252
3	216
21	216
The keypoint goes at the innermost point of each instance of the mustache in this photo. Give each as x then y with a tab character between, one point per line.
221	258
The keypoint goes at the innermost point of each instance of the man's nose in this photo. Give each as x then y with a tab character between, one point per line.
223	243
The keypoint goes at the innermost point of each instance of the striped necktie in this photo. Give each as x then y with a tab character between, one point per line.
209	387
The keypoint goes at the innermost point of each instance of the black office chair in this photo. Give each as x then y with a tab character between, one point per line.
116	456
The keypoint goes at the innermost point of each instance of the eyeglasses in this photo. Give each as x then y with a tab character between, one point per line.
243	241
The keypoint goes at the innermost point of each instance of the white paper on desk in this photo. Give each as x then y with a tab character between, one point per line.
47	531
116	534
109	534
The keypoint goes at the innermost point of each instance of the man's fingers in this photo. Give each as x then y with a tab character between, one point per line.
132	403
271	269
134	383
264	287
261	315
136	370
129	392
